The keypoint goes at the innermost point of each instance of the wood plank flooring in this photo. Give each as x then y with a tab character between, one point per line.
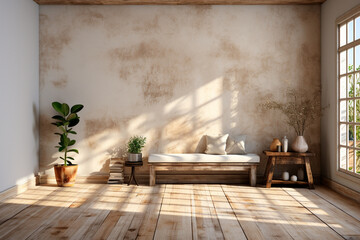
178	211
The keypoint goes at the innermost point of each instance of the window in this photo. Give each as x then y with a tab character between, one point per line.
348	95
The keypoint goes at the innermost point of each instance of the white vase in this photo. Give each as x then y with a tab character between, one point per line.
285	176
285	143
293	178
299	145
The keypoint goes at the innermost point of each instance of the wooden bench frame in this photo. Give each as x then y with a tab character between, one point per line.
173	166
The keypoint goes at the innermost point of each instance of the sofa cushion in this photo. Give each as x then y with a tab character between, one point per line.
203	158
236	145
216	144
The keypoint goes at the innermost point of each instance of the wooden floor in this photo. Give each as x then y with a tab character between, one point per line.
190	211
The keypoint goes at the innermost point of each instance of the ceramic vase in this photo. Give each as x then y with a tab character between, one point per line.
293	178
276	142
285	176
299	145
285	143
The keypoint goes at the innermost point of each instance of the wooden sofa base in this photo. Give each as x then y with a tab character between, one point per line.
251	167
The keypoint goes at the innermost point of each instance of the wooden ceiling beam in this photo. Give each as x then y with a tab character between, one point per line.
176	2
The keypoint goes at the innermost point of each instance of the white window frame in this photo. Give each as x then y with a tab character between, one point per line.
351	15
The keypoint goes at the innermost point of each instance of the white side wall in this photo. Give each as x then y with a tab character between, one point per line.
19	91
330	10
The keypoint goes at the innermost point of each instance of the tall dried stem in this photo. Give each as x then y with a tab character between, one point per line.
299	110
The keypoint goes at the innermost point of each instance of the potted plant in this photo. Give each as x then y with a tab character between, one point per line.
66	173
134	147
300	112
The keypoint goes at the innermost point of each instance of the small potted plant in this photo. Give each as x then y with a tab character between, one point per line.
66	173
134	147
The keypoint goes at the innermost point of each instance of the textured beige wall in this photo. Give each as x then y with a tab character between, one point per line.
173	74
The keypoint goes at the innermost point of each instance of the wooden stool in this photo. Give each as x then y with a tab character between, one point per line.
288	158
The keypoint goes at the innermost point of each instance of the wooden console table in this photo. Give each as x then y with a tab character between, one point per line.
288	158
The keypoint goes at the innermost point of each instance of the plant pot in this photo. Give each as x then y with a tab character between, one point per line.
65	175
135	157
299	145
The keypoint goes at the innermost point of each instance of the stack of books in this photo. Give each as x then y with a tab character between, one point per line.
116	170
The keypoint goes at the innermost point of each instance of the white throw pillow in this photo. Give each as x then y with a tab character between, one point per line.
216	145
236	145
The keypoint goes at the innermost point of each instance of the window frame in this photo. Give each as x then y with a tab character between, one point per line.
343	20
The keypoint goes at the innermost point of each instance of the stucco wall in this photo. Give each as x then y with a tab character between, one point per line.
173	74
330	11
19	91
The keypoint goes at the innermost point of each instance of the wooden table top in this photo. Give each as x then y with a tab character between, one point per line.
288	154
133	164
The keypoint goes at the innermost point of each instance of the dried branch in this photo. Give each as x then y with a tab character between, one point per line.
299	110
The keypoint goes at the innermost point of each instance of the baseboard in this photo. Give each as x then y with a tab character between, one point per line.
49	179
17	189
341	189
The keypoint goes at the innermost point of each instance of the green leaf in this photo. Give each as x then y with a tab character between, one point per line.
74	122
58	134
73	150
72	116
66	141
61	149
62	129
65	109
70	163
58	117
73	132
58	107
62	158
58	124
71	158
72	142
76	108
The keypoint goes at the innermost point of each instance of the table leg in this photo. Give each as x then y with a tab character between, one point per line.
134	177
267	169
131	175
309	173
152	176
253	176
270	172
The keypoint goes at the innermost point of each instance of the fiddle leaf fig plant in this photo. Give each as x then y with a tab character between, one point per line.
65	122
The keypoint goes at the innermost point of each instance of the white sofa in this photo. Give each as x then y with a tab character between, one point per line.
206	162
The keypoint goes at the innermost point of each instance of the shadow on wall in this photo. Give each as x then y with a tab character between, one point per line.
218	107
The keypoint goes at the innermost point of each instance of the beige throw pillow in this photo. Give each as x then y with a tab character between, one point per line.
236	145
216	145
